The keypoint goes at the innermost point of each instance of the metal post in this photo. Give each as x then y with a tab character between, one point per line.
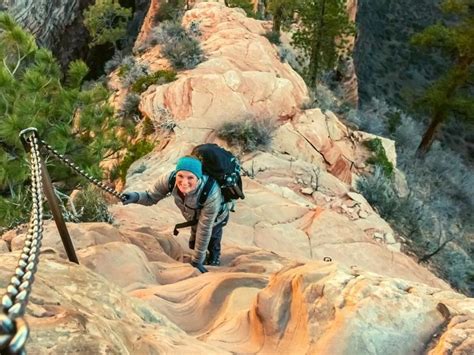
57	215
53	203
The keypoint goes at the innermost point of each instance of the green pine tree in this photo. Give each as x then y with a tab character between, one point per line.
451	94
282	11
77	122
246	5
106	22
324	27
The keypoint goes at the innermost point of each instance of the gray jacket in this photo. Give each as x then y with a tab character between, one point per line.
213	212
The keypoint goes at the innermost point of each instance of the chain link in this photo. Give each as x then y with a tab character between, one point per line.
13	328
78	170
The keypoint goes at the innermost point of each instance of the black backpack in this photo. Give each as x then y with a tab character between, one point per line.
222	167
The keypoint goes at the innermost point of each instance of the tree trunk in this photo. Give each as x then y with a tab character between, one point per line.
462	67
261	9
440	247
430	134
316	48
277	20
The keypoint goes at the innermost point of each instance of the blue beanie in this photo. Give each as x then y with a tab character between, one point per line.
190	164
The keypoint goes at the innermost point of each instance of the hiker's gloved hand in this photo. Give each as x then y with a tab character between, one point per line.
130	197
199	266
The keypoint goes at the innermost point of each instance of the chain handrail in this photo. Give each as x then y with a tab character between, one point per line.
78	170
14	330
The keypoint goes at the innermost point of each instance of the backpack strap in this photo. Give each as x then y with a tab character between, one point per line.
205	191
184	225
202	200
171	181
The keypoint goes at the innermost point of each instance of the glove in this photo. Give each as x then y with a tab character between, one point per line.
199	266
130	197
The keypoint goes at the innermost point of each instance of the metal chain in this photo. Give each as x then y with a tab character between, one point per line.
78	170
14	330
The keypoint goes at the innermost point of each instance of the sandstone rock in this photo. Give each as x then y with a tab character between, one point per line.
389	238
307	191
301	309
396	247
336	129
82	235
3	247
121	263
283	239
388	145
274	168
242	75
311	139
73	310
288	140
372	221
457	339
401	184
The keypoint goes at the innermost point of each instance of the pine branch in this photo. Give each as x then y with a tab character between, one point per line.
11	150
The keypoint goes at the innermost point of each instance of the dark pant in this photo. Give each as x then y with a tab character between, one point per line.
214	246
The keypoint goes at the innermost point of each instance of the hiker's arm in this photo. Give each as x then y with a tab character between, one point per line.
204	227
159	191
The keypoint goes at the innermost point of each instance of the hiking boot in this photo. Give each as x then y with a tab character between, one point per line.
213	260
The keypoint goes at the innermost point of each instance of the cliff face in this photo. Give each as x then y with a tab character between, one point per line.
45	19
58	24
54	23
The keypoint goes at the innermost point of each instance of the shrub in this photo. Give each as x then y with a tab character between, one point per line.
283	54
245	5
130	71
441	197
91	206
165	32
134	152
380	158
159	77
273	37
106	21
14	210
147	126
180	47
166	120
184	53
249	134
114	62
130	105
168	11
194	29
379	192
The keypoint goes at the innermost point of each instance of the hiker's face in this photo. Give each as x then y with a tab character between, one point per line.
186	181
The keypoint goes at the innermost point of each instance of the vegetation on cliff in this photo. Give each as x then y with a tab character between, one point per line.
451	94
74	118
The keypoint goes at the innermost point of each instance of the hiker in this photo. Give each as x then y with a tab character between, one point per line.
206	221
